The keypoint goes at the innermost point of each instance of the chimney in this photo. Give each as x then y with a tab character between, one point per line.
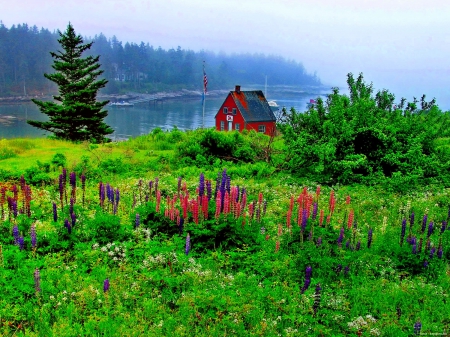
238	89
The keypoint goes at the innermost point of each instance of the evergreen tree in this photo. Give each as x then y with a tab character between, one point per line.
76	115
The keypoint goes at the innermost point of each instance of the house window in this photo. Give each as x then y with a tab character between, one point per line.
237	126
234	111
262	128
225	110
222	125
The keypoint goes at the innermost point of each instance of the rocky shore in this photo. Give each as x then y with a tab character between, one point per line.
165	95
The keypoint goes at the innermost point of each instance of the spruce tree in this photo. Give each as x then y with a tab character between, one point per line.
75	113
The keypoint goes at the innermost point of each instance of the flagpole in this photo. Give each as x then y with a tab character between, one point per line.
204	95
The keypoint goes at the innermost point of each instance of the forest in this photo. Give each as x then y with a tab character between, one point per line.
25	57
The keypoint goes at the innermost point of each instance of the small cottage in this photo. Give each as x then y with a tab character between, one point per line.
246	110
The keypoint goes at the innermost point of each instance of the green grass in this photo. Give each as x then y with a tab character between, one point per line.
233	282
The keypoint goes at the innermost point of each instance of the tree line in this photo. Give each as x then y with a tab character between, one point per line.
25	57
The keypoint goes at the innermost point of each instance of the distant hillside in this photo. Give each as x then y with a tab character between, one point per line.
25	57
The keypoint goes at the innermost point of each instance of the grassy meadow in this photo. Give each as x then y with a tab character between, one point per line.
141	238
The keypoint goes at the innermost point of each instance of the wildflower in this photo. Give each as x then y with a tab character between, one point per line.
417	328
208	189
440	252
67	225
201	186
430	229
314	215
188	244
105	285
55	213
341	237
432	251
319	242
444	225
346	270
21	242
425	264
424	222
277	246
321	218
369	238
350	218
137	222
308	274
73	218
358	245
411	220
402	235
15	233
37	280
347	200
304	218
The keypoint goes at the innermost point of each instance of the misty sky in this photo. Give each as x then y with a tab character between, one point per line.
400	45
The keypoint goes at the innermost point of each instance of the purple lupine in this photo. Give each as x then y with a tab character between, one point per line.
14	207
402	235
425	264
55	212
37	280
424	222
319	242
411	220
201	185
414	246
346	270
15	233
304	219
156	185
108	191
369	238
314	214
208	189
73	179
67	225
439	252
188	244
181	225
73	217
21	242
430	229
137	221
106	285
432	251
341	237
228	186
347	244
33	236
308	274
443	227
417	328
358	245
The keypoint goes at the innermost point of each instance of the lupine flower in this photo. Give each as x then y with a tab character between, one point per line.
308	273
181	225
444	225
411	220
21	242
417	328
430	229
105	285
137	222
14	208
67	225
439	253
347	244
319	242
314	214
369	238
55	213
414	247
277	246
358	245
304	219
351	216
73	179
33	236
208	189
74	219
346	270
347	200
37	280
201	185
425	264
432	251
317	298
188	244
15	233
424	222
402	235
341	237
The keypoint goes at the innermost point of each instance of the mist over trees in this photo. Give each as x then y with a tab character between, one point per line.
25	57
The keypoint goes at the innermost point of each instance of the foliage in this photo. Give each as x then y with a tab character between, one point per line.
365	138
78	116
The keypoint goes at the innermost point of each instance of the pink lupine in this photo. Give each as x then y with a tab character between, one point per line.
350	218
321	217
158	200
218	205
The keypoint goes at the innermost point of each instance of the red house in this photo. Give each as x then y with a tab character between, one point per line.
246	110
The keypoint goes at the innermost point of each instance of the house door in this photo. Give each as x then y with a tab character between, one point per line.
230	125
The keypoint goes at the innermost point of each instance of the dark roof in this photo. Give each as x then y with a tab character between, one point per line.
253	106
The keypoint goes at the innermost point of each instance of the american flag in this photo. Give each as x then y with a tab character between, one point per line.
205	80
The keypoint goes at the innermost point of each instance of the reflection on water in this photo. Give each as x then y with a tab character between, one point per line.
141	119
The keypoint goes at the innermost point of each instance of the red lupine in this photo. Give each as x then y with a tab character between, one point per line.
158	200
318	192
350	218
205	206
277	247
347	200
288	219
226	203
218	205
321	217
